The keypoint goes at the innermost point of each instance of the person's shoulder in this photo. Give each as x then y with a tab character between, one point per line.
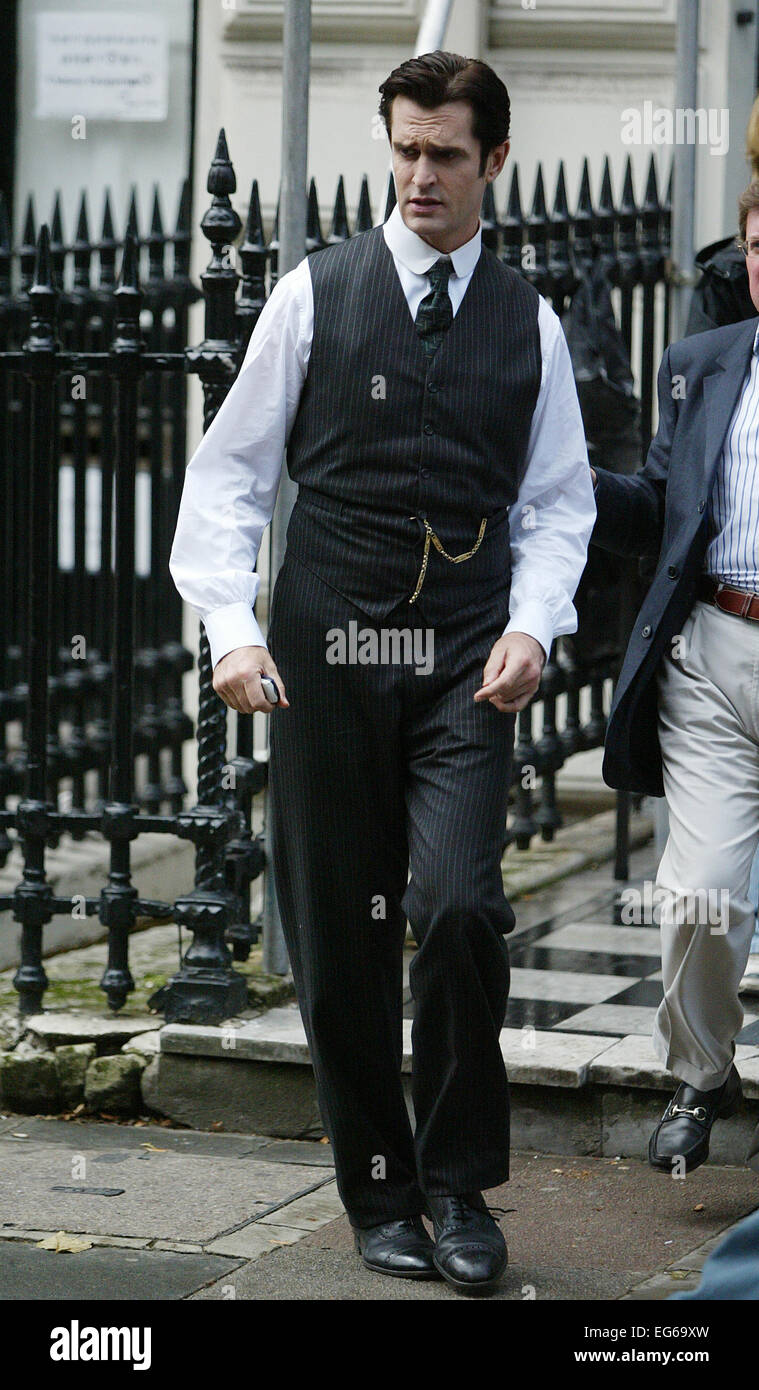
338	253
707	346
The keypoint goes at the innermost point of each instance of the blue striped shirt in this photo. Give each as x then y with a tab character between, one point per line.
733	550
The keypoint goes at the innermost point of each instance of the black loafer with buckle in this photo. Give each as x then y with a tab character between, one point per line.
682	1134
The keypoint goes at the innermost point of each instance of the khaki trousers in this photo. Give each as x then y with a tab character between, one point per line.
708	697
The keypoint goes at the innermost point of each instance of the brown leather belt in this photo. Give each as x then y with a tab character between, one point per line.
743	602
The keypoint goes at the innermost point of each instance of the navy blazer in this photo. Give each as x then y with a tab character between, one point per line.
661	512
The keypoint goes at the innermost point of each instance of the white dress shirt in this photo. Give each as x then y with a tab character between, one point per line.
732	554
232	478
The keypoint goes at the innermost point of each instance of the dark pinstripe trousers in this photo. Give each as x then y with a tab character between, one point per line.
377	770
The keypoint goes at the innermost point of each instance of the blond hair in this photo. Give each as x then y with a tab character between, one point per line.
752	139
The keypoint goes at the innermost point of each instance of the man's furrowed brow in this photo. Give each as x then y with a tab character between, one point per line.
407	145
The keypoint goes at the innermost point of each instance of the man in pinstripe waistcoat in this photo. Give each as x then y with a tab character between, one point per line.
425	394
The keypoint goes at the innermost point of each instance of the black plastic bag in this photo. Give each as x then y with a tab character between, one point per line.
601	365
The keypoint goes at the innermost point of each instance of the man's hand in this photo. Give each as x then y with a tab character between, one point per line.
593	476
237	680
512	673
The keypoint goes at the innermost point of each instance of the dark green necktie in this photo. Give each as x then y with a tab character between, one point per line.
435	314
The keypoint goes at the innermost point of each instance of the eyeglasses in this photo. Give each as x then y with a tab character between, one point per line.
750	248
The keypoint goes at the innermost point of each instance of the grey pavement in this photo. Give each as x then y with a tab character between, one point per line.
174	1214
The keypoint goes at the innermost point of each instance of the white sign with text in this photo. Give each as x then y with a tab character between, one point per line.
108	65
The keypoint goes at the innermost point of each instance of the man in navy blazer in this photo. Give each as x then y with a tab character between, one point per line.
684	721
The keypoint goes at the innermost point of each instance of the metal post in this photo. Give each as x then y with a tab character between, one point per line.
206	988
686	66
118	898
33	897
296	52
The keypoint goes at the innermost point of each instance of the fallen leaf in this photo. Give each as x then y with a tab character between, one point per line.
153	1148
699	1206
325	1140
217	1124
18	1135
62	1241
557	1170
678	1273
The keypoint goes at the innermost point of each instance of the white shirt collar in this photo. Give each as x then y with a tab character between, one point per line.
417	254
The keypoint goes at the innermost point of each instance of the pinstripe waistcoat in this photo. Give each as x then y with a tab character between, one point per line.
385	435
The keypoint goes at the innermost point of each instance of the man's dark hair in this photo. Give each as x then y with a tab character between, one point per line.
436	78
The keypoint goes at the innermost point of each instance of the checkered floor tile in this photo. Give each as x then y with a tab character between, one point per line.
589	974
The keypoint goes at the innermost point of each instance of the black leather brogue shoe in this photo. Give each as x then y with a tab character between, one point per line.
470	1251
400	1248
682	1134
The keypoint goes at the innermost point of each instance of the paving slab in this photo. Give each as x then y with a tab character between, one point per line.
86	1134
631	1061
105	1273
611	1018
549	1058
255	1240
55	1027
164	1195
595	936
553	1058
564	985
277	1036
311	1210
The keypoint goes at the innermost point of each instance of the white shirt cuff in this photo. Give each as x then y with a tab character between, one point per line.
230	627
534	619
